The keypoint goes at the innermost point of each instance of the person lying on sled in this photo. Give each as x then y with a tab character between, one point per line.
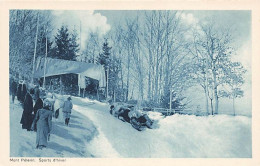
121	112
139	120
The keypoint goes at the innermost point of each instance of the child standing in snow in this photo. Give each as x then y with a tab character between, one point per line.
67	106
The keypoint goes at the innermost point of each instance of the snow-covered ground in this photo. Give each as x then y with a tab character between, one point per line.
95	133
64	141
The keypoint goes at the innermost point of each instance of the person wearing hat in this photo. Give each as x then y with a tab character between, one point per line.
21	91
43	121
67	106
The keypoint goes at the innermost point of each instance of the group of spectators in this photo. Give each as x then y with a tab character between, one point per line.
37	110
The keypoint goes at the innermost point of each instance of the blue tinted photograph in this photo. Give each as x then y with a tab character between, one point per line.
130	83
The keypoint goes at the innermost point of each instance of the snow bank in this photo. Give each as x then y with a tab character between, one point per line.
213	136
178	136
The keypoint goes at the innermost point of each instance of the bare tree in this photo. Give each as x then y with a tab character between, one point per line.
213	48
233	79
23	25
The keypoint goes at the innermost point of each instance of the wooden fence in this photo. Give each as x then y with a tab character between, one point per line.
166	112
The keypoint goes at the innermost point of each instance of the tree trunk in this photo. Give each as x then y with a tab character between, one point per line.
149	83
114	95
206	86
157	60
207	102
215	91
151	67
211	105
122	82
128	74
93	55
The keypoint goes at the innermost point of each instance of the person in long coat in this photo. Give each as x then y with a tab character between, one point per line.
27	116
13	89
24	92
66	109
43	121
21	93
38	105
36	93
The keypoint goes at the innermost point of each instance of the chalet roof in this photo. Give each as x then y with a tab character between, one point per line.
59	67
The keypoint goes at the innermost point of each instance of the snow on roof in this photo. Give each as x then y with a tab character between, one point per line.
59	67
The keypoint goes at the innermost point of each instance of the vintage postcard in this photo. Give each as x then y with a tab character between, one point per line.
143	83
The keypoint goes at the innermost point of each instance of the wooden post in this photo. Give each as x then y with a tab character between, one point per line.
79	83
60	84
97	92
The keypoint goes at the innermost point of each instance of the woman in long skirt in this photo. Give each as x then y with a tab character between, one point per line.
27	117
43	120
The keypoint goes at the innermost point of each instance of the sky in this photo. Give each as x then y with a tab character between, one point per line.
102	21
83	21
238	20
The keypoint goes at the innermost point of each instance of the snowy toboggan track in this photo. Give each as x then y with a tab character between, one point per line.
93	132
177	135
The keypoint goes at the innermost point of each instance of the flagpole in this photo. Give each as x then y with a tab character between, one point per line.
79	53
46	52
35	46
